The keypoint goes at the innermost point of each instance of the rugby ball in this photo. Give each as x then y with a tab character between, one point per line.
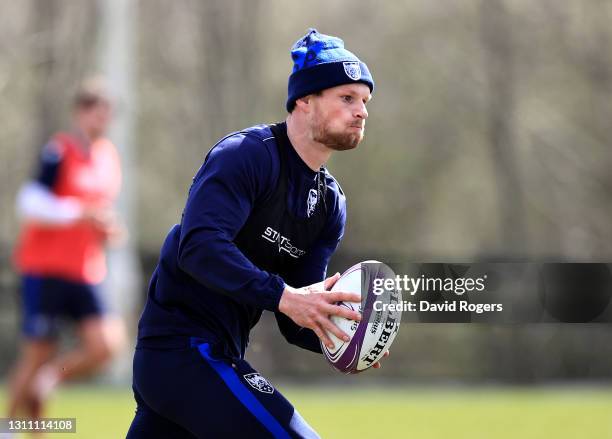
372	336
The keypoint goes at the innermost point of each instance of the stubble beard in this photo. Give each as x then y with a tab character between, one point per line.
338	141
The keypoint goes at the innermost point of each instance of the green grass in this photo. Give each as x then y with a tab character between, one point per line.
570	413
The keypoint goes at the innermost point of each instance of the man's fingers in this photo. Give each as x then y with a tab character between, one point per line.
342	296
378	365
329	326
323	336
330	281
341	311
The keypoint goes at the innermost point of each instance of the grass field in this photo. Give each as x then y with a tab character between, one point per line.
576	413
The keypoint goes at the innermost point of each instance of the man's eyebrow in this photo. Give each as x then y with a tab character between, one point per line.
356	95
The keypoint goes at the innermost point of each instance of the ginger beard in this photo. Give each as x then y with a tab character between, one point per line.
342	138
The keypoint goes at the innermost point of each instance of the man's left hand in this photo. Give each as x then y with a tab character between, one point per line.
377	365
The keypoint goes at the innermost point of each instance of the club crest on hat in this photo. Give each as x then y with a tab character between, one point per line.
352	70
259	383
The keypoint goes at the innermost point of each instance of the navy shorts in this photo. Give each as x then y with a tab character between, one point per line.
194	392
47	301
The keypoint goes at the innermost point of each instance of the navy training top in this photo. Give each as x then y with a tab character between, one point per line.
204	282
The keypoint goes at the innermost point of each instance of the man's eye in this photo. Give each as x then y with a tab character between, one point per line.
347	99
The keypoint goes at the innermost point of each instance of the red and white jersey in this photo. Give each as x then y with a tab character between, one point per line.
89	176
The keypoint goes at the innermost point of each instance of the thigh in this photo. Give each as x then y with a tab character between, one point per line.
103	335
214	397
147	424
257	395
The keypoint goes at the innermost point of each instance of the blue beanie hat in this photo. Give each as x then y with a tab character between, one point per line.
321	61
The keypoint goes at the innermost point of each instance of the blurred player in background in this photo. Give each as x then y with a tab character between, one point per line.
67	221
262	219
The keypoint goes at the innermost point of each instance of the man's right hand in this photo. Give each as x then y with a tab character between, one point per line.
311	307
107	222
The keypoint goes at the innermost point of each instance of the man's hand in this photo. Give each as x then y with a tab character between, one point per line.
311	307
377	365
107	223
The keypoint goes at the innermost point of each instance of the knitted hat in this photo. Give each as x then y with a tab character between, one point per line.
320	62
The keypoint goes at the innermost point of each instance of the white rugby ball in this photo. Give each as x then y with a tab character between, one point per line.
372	336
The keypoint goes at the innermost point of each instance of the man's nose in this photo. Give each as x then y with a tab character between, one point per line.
362	112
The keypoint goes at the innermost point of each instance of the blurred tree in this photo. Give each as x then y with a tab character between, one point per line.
499	60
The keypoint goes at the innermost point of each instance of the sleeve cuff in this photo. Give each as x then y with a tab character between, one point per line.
272	298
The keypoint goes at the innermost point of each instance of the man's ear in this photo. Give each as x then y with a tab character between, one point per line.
304	103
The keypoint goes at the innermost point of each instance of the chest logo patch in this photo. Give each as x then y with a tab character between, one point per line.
284	244
311	202
258	382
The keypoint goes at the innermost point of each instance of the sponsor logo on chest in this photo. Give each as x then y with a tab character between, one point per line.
283	243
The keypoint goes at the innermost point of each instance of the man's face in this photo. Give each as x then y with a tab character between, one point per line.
95	119
338	116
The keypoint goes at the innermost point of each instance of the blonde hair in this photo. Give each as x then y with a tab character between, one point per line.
92	91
